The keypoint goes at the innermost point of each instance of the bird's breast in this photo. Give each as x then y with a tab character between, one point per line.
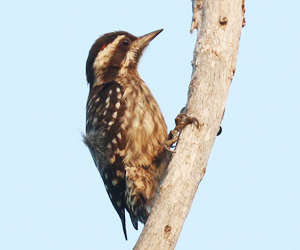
144	124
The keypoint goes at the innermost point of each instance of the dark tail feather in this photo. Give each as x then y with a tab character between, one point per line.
134	221
122	217
142	216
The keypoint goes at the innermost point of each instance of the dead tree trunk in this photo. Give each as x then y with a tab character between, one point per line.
219	24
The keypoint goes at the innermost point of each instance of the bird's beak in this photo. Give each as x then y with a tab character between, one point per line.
144	40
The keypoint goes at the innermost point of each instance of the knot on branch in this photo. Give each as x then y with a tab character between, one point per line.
223	20
244	22
167	228
197	7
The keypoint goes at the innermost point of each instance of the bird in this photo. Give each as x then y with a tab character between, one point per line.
125	128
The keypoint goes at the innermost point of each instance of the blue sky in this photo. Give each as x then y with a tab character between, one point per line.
52	196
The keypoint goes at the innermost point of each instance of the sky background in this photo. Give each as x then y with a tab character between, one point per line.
51	194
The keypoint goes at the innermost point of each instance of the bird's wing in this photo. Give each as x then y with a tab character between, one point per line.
106	140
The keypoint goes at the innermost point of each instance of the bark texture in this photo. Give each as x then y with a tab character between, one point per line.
219	24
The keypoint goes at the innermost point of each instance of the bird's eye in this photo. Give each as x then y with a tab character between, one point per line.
125	42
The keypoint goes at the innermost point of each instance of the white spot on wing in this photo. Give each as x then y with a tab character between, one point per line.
120	174
122	153
113	159
115	115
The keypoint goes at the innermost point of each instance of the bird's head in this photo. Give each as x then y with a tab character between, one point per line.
114	51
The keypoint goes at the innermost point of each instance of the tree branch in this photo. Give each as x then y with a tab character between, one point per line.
219	24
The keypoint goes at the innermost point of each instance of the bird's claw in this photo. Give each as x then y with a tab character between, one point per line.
181	121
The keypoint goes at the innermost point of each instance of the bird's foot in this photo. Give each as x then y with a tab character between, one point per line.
181	121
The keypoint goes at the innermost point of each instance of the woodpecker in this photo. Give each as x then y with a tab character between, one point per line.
125	129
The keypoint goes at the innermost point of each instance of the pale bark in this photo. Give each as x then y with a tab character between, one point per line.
219	24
